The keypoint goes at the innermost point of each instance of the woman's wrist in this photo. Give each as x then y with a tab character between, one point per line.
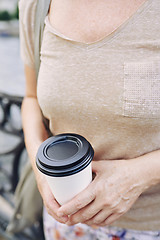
148	169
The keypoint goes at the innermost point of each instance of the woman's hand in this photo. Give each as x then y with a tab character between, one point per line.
49	201
116	187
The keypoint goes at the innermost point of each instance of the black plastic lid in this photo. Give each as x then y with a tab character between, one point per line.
64	155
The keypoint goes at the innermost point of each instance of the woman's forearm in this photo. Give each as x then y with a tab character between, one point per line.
35	134
34	131
149	168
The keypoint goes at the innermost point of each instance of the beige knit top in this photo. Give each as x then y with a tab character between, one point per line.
107	91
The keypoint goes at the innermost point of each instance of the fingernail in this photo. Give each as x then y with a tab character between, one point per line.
68	223
64	218
59	214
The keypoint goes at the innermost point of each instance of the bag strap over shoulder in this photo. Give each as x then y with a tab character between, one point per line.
41	12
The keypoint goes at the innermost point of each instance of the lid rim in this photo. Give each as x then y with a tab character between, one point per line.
66	167
65	173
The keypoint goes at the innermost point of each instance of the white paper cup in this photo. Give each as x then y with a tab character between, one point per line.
65	159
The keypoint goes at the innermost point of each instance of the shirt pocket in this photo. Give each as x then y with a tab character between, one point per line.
142	89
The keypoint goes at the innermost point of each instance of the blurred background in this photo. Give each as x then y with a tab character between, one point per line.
11	67
12	150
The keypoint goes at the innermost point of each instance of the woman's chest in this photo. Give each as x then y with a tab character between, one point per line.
90	21
116	76
100	82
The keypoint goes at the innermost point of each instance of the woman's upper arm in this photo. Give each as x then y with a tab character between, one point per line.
31	82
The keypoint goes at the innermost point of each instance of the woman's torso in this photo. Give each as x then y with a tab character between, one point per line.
103	90
108	91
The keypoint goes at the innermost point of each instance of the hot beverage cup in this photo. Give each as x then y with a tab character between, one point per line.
65	160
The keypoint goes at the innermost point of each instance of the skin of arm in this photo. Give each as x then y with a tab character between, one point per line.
116	187
35	134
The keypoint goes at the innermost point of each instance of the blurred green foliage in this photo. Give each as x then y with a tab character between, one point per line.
15	14
6	16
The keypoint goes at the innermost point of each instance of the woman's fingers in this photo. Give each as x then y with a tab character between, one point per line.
78	202
85	213
99	218
112	218
82	199
52	207
50	202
